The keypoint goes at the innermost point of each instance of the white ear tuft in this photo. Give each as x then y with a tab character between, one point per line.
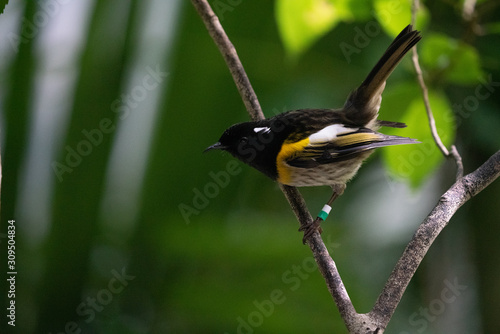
264	129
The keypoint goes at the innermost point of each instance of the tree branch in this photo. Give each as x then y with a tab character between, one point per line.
459	193
325	263
231	57
377	319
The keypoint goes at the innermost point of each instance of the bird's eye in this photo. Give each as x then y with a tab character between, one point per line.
244	140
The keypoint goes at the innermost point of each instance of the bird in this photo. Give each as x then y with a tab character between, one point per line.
322	147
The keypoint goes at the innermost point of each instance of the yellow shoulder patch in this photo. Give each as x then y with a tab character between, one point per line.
289	150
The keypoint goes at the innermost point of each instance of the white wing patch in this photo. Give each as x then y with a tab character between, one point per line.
264	129
329	133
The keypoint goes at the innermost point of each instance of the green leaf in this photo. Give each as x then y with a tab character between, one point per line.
436	50
360	9
450	60
3	3
466	67
416	162
301	23
394	15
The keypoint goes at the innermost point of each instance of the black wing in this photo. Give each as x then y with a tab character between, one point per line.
344	147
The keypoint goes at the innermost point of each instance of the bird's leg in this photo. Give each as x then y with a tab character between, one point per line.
314	226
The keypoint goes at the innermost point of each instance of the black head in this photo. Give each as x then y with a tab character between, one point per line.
254	143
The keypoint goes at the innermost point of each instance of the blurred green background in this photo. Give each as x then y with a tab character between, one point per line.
124	226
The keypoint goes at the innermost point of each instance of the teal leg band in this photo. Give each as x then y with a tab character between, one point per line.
323	214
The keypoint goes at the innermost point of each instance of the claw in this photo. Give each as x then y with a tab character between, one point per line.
309	229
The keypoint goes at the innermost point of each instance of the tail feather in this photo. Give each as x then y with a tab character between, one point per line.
391	141
363	103
390	124
351	152
346	152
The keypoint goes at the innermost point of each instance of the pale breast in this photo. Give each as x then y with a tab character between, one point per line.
324	175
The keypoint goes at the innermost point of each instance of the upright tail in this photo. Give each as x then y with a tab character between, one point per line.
363	104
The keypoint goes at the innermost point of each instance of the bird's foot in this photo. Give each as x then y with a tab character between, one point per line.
310	228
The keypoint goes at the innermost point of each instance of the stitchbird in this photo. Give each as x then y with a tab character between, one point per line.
315	147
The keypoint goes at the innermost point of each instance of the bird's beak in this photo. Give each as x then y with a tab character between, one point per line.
216	146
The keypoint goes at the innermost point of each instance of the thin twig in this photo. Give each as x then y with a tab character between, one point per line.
418	70
425	94
458	161
432	122
453	152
